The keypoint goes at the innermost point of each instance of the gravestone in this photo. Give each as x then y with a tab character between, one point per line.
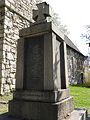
41	79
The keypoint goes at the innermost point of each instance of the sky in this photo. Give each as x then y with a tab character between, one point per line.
74	14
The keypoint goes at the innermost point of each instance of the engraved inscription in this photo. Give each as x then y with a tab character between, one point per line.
36	58
33	63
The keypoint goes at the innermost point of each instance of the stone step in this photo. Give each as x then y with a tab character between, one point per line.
78	114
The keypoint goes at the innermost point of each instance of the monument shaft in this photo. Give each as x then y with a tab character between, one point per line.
41	87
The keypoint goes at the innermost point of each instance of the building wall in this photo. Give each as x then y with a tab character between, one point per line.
75	66
2	13
87	70
14	15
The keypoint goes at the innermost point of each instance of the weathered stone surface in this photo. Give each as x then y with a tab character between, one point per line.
75	66
42	13
41	90
48	96
34	63
78	114
52	69
42	77
40	110
16	14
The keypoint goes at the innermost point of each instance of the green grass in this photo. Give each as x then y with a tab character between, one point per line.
81	95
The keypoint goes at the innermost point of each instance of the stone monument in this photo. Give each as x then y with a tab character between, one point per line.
41	79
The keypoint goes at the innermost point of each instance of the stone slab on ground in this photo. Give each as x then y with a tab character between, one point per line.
78	114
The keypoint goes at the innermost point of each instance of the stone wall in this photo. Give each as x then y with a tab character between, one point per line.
14	15
75	66
2	12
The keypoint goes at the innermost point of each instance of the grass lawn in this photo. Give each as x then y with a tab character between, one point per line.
81	95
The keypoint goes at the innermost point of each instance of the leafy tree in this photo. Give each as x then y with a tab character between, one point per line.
57	22
86	35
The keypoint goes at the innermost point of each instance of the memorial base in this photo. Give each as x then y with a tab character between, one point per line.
32	110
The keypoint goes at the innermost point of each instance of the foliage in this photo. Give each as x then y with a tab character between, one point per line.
57	22
38	1
86	35
81	95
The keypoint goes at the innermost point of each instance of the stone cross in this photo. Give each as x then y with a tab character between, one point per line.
42	13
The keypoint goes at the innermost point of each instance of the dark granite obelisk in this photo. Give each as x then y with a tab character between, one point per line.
41	79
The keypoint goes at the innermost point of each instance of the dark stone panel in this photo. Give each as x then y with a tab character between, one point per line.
34	63
62	67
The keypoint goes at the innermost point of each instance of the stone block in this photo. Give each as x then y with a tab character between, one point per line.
41	110
78	114
7	2
48	96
